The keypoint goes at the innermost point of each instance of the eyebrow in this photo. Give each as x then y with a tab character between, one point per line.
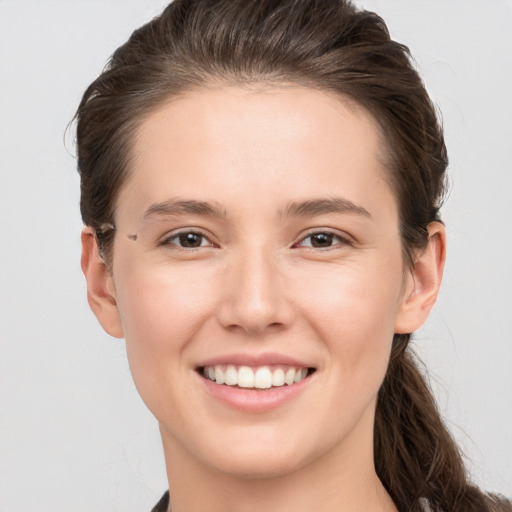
185	207
308	208
314	207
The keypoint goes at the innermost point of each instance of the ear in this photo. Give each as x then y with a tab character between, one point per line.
100	285
422	282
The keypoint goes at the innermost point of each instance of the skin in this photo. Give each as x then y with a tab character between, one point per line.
257	285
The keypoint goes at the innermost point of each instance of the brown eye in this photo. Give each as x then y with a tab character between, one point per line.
190	240
323	240
187	240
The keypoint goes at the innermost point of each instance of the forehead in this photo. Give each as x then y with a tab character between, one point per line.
233	142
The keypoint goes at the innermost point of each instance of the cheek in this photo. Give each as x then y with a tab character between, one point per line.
161	312
165	302
354	314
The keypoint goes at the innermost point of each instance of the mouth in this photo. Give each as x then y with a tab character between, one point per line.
262	378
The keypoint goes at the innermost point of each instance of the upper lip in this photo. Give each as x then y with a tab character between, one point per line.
264	359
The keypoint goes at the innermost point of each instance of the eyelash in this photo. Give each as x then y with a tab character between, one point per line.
341	240
168	240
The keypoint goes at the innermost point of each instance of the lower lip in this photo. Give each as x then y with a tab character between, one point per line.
252	400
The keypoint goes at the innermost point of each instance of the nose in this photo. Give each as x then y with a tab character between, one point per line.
255	295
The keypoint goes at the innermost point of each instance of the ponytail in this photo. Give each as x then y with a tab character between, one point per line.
416	457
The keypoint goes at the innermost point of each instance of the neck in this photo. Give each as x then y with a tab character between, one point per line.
342	479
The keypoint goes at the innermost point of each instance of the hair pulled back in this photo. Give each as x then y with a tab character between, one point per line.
329	45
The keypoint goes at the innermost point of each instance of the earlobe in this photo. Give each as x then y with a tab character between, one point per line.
423	282
100	288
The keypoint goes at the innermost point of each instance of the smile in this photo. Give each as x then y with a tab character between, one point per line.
260	377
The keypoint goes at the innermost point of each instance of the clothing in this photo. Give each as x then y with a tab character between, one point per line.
162	505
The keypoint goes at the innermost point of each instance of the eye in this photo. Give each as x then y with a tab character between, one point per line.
323	240
187	240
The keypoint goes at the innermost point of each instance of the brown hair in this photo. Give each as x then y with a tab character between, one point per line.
332	46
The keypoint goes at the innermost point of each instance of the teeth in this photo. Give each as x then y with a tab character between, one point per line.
289	377
219	376
262	377
245	377
278	377
231	376
300	374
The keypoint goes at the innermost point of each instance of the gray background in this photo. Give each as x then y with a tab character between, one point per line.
74	435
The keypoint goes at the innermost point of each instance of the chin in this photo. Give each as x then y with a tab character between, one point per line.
259	466
259	453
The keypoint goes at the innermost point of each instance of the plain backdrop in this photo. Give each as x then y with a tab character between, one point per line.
74	435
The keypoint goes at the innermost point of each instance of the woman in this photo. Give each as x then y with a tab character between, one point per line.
261	184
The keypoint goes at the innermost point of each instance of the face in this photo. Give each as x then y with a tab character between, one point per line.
258	276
